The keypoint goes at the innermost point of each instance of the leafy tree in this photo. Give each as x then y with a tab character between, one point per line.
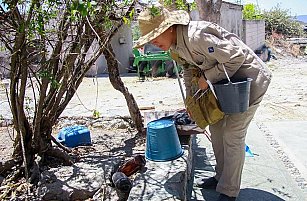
250	12
179	4
50	46
279	21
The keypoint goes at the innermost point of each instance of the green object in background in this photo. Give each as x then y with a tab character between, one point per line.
150	56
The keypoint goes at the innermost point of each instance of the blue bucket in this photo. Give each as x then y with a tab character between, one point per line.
233	96
162	141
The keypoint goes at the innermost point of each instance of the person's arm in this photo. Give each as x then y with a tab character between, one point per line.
222	51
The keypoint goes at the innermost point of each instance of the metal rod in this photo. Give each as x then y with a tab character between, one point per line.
178	78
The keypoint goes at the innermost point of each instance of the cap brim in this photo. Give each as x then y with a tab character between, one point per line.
177	18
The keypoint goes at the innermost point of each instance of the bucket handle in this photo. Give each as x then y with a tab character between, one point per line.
211	85
226	73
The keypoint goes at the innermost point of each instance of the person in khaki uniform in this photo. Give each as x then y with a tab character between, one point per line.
208	47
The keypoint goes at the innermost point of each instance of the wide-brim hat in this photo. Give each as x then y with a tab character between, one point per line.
152	25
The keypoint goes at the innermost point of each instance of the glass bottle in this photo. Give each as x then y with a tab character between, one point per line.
121	182
133	165
122	185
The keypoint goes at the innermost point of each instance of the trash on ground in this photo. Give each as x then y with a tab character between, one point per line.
73	136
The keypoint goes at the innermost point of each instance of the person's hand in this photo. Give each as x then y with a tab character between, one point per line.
189	113
202	83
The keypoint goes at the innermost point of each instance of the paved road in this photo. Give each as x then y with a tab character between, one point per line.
268	176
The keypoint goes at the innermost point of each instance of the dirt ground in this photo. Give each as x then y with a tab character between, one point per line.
286	99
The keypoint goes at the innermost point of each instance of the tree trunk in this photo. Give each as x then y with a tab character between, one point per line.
209	10
119	85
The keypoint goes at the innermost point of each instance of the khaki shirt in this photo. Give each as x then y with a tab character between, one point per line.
208	46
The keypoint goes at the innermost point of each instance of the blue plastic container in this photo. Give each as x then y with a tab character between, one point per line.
248	152
73	136
162	141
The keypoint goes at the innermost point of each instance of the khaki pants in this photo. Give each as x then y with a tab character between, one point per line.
228	141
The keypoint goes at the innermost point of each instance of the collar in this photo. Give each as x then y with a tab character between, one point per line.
180	41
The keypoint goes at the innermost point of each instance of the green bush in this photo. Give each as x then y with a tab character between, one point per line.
279	21
250	12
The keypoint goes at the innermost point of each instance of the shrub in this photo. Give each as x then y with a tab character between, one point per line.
250	12
279	21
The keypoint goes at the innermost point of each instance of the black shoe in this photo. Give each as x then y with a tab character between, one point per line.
224	197
209	183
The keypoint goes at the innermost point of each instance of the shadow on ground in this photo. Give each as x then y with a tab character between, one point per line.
245	194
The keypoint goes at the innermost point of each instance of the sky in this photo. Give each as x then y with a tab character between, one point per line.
296	7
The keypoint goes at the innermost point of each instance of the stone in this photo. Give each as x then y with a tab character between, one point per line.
71	182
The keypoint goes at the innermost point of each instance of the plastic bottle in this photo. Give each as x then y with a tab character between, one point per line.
133	165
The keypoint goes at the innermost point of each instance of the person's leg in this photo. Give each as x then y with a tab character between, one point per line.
217	132
235	129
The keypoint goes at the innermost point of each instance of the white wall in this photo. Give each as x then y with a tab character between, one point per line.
4	64
231	17
254	33
122	47
123	50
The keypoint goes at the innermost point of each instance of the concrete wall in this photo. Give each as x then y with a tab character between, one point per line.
254	33
231	17
100	65
122	46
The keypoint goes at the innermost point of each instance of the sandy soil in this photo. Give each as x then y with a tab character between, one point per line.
286	98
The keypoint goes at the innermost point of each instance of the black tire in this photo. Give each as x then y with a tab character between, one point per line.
170	68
